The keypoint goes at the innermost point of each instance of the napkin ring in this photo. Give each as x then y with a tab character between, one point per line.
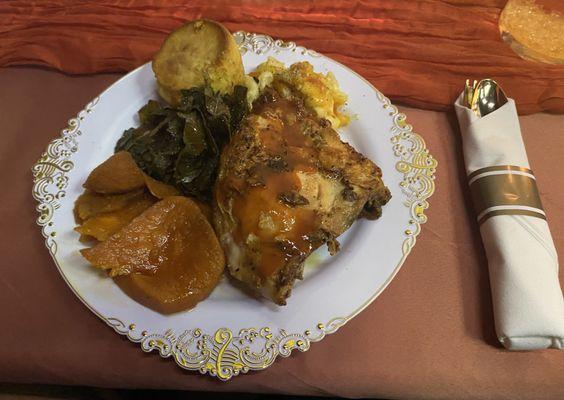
505	190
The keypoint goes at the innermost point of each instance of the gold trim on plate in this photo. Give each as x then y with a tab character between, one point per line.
50	178
223	353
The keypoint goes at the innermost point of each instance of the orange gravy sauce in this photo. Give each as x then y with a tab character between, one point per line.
282	230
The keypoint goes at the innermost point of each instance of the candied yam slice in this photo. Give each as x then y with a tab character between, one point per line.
101	226
90	204
173	288
173	233
167	259
206	209
159	189
118	174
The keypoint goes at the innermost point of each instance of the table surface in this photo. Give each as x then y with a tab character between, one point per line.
429	335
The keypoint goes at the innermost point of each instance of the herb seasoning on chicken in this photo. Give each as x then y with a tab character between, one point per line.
287	184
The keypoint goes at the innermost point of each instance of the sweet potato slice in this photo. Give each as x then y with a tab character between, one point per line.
90	204
159	189
102	225
103	209
168	258
205	209
118	174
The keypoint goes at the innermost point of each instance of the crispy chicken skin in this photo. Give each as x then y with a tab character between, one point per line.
287	184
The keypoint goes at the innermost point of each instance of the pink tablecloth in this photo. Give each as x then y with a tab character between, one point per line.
429	335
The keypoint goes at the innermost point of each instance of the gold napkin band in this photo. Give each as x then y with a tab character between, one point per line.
505	190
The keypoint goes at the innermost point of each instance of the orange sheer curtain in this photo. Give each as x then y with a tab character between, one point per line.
417	52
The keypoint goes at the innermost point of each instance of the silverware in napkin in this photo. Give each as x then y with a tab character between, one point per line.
522	260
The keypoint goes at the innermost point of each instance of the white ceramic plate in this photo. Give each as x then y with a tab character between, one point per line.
230	333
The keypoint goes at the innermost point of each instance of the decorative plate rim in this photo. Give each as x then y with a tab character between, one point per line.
223	354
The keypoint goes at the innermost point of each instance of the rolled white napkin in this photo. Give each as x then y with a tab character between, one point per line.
523	264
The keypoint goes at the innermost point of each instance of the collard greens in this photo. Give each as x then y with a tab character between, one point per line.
181	146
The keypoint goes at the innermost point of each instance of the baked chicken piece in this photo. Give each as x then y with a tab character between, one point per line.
287	184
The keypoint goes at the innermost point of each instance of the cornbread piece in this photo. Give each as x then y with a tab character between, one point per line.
199	53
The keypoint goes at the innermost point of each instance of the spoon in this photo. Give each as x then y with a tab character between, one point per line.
488	97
